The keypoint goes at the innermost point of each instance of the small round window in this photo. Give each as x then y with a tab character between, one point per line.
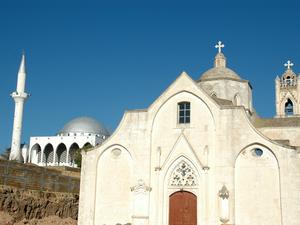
116	153
258	152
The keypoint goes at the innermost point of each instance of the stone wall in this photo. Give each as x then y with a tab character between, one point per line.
27	204
32	177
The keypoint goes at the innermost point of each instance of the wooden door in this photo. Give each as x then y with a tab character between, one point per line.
183	208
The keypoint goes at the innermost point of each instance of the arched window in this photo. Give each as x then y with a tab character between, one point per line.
288	81
288	108
237	99
213	94
184	112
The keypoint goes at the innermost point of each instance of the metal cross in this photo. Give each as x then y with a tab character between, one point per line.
219	46
288	64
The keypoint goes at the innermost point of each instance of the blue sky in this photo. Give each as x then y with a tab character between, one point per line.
98	60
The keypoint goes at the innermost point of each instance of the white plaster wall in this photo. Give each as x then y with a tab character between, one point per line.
227	89
113	197
131	136
88	188
166	129
291	194
283	133
257	183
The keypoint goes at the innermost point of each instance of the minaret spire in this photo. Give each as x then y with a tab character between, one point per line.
21	75
19	97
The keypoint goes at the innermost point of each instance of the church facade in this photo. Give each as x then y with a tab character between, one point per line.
198	155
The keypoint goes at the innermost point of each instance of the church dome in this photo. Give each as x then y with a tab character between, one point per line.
85	125
219	73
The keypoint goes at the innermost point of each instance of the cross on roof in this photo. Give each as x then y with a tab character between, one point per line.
288	64
219	46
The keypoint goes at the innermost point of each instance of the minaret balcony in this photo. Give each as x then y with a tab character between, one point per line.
21	95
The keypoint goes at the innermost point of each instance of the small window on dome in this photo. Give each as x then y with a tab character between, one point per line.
184	112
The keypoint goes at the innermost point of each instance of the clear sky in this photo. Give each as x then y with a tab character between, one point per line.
98	60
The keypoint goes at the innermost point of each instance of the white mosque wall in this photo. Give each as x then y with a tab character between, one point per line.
57	150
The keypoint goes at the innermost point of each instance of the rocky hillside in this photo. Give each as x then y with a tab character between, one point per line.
24	205
6	219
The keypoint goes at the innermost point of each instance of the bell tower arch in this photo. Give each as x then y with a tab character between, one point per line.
287	93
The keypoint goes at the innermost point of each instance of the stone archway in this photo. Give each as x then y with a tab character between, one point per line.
48	154
181	190
183	208
61	154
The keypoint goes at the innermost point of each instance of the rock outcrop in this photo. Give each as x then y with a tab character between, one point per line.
28	205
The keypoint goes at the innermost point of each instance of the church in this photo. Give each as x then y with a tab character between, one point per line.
199	155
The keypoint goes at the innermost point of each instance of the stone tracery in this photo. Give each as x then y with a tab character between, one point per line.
183	175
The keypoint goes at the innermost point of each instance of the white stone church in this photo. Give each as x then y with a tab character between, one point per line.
199	155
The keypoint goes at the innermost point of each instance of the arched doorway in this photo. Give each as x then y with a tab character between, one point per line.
183	208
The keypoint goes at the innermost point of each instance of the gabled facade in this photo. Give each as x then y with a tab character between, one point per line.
198	155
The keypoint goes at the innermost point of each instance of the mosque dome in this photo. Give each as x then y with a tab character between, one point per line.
86	125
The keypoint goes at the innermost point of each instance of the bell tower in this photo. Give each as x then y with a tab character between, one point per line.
287	89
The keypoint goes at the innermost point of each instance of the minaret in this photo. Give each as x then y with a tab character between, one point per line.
19	97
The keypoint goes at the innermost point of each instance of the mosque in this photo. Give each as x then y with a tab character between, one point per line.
59	150
55	150
199	154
